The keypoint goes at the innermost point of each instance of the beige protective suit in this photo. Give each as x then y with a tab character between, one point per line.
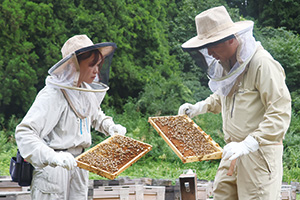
51	125
260	107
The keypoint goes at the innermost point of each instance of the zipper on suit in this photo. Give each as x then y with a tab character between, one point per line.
87	125
233	102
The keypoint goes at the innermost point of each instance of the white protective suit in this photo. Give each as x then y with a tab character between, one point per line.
51	126
254	101
261	107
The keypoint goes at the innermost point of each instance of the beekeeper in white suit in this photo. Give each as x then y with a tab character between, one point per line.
249	90
57	126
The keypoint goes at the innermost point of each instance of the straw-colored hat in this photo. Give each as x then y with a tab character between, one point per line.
81	44
213	25
75	46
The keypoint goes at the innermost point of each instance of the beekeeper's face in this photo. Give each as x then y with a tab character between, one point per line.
224	51
89	69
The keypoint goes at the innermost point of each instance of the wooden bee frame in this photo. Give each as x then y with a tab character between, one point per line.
186	139
122	155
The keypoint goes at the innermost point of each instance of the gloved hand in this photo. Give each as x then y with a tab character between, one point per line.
234	150
117	129
63	159
192	110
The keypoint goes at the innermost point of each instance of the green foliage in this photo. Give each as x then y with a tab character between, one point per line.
280	13
163	97
291	144
8	147
34	31
291	168
291	141
284	46
29	43
296	102
205	121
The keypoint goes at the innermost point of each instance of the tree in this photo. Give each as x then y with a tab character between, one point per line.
284	46
279	13
34	31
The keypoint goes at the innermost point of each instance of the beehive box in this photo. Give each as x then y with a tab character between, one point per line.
16	195
186	138
7	185
112	156
129	192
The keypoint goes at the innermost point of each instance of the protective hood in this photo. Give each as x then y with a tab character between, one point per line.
65	74
222	78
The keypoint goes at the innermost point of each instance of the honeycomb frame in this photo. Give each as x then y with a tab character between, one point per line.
183	147
100	151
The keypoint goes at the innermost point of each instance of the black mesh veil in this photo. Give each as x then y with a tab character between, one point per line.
107	50
104	72
198	57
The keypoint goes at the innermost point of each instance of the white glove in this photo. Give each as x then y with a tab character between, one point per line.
193	110
63	159
234	150
116	129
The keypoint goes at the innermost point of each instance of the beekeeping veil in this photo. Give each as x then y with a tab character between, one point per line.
64	75
215	26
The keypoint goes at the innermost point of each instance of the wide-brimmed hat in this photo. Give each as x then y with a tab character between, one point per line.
81	44
77	45
68	67
214	25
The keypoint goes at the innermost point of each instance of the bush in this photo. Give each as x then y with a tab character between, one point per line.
8	147
296	102
284	46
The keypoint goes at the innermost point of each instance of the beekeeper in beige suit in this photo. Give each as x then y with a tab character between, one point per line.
57	126
249	90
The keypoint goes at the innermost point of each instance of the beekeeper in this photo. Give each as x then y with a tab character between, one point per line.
249	90
57	127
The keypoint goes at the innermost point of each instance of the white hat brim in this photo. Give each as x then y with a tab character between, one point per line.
195	42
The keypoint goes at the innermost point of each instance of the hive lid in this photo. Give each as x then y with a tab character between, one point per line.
186	138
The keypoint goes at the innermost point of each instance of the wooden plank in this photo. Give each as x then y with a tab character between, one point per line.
7	185
22	195
130	192
154	192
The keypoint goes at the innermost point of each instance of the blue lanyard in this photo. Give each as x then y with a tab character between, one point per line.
86	123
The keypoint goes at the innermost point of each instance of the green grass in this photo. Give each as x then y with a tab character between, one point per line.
8	148
5	157
161	169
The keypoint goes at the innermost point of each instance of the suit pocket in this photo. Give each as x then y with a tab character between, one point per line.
48	179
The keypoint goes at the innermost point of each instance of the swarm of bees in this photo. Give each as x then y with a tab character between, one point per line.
187	138
111	155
